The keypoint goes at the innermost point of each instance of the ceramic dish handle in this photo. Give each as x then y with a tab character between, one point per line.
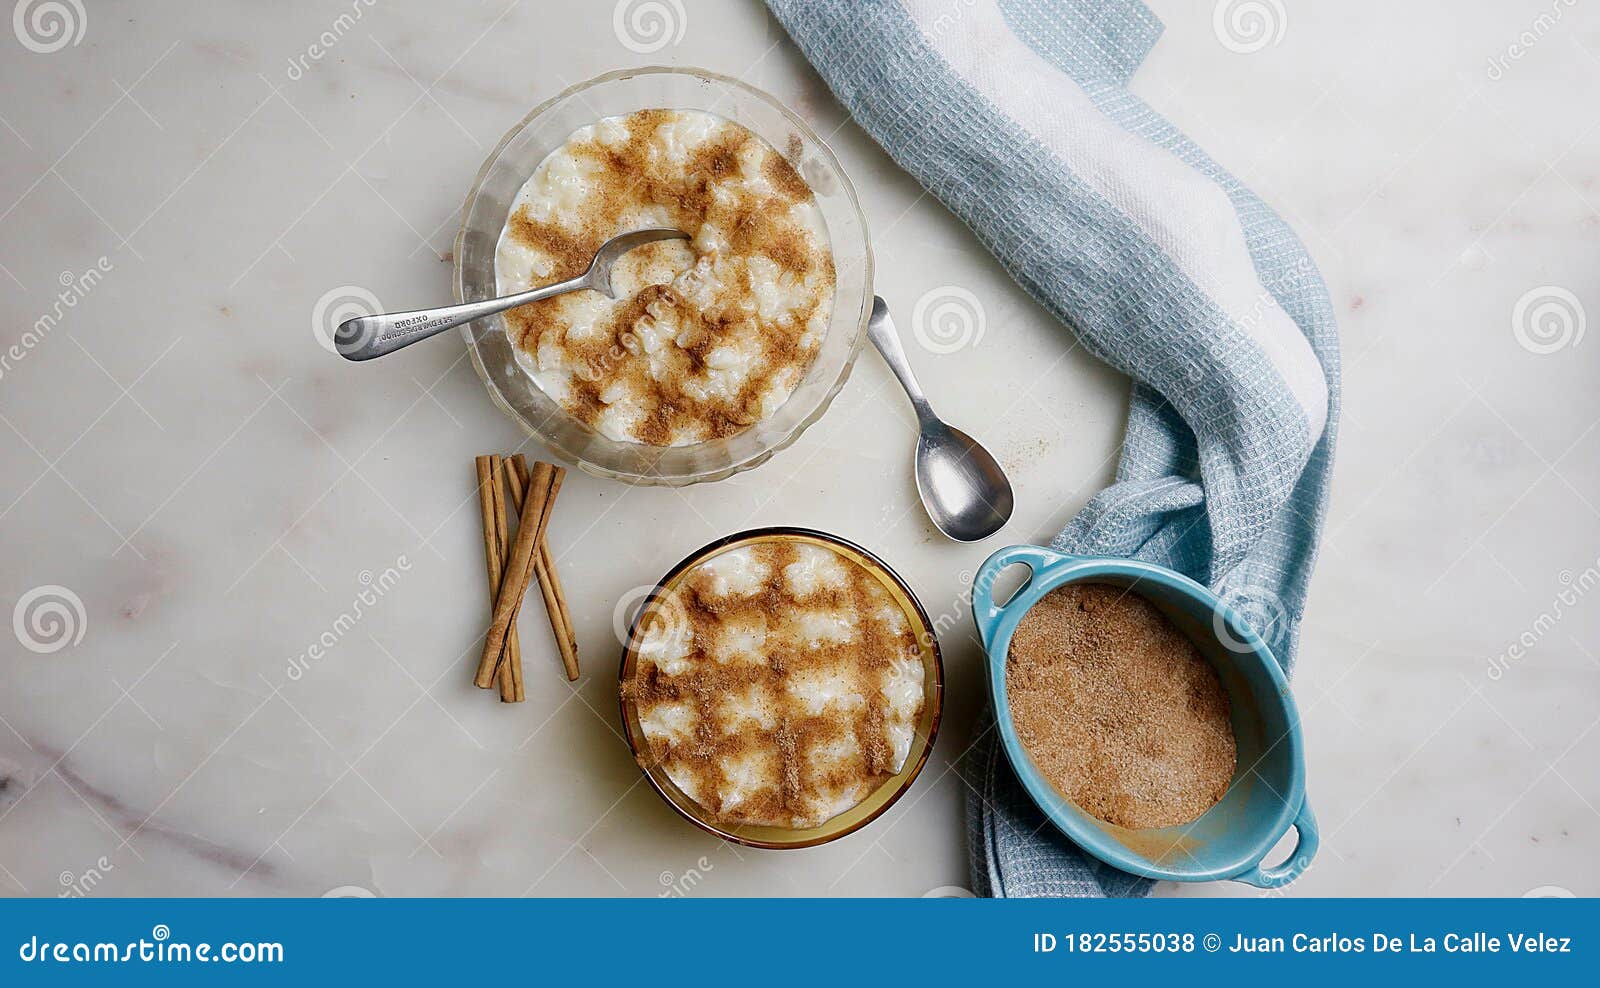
1305	848
985	612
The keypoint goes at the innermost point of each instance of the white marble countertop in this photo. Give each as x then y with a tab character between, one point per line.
183	182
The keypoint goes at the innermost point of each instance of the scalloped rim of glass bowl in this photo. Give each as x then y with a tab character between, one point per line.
719	473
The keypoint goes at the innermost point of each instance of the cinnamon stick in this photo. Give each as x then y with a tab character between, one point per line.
557	475
567	640
555	601
491	544
518	568
547	573
509	676
491	500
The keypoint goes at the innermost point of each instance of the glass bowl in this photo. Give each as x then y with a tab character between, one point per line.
880	799
547	128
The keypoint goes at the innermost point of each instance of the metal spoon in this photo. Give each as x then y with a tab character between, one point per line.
365	337
965	491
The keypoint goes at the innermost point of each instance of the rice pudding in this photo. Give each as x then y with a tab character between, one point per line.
777	683
708	336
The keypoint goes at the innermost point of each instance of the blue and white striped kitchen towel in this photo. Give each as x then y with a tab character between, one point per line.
1016	115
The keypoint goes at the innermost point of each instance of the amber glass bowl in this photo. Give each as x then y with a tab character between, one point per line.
880	799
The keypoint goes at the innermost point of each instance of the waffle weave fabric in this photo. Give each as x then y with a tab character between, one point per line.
1016	115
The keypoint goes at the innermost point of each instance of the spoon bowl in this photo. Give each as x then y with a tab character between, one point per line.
965	491
962	487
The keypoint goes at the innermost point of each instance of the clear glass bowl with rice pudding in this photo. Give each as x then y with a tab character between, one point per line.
838	335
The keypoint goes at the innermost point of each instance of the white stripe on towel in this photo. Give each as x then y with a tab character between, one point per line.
1183	212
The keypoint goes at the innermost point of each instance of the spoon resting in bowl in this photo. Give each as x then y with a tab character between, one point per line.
965	491
365	337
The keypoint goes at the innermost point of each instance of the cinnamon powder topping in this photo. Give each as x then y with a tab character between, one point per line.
777	683
1117	709
709	336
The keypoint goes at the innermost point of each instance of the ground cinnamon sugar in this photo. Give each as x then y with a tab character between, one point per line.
1118	709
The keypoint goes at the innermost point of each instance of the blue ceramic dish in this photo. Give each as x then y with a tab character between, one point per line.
1267	795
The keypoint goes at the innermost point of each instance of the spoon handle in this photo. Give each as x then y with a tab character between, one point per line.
365	337
880	329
